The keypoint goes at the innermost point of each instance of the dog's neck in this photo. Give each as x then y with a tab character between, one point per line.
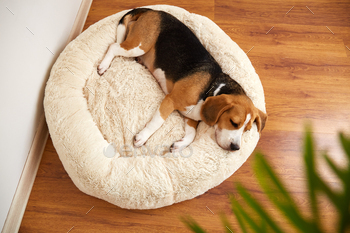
222	84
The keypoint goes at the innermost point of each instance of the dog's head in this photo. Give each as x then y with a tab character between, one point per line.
231	115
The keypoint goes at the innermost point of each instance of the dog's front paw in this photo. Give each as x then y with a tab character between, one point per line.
140	139
179	145
102	68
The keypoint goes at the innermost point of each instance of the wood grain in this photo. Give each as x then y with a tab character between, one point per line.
304	69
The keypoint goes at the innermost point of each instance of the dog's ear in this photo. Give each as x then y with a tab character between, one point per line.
260	119
213	107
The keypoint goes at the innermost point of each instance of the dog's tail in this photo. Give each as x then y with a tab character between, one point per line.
132	15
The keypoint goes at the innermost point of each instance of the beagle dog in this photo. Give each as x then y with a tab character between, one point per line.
192	80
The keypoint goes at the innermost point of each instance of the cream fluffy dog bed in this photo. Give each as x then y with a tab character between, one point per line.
87	114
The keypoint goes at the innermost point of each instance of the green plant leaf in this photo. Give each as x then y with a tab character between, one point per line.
226	223
278	194
339	172
323	187
237	214
346	146
243	215
265	217
280	197
313	181
344	200
192	225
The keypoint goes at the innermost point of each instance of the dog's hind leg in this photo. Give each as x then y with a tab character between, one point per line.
121	33
141	37
118	50
130	17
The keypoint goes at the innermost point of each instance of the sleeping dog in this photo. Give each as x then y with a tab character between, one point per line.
192	80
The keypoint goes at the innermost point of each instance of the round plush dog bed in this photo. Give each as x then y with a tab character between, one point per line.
92	120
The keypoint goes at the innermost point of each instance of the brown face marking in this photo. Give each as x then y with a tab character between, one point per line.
236	114
241	106
224	108
213	107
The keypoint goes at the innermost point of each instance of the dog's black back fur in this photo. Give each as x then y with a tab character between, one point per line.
179	53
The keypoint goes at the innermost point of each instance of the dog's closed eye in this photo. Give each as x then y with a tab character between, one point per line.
234	124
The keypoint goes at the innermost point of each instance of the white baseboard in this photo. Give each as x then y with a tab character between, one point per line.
80	20
25	184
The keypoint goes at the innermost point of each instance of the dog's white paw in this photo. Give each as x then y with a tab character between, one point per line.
102	68
140	139
179	145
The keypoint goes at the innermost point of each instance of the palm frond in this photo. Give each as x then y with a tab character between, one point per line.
227	226
313	181
192	224
244	217
276	191
278	194
344	210
265	217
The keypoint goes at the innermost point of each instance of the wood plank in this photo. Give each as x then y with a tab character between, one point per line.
101	9
325	13
304	69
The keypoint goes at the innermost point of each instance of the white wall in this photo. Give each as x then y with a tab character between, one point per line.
32	34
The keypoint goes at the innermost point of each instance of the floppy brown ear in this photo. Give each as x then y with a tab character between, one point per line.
260	120
213	107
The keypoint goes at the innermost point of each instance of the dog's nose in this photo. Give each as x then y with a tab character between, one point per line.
234	147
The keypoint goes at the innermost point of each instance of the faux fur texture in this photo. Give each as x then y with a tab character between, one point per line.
86	112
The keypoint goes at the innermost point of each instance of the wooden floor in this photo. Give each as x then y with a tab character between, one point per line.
302	55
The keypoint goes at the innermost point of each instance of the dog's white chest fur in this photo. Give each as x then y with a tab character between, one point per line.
193	111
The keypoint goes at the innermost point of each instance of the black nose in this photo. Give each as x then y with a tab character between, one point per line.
234	147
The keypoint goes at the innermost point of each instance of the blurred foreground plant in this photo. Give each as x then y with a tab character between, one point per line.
278	195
